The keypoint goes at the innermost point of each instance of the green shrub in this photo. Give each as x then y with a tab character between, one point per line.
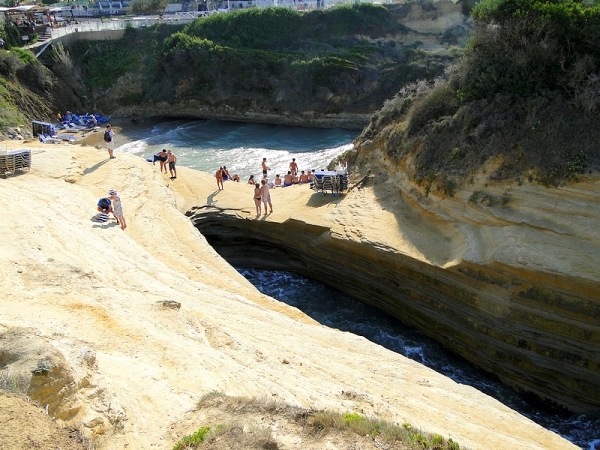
524	46
25	56
192	440
11	35
441	101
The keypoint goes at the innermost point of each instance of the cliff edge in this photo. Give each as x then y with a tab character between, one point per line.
88	327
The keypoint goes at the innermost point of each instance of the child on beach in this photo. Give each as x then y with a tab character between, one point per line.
117	208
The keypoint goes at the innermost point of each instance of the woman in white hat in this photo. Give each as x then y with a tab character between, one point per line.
117	208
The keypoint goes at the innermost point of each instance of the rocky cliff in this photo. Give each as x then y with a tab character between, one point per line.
510	284
122	333
329	69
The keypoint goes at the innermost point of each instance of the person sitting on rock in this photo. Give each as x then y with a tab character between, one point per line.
303	177
288	179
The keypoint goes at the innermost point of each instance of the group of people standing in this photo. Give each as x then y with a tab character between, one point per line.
292	177
262	189
166	157
262	194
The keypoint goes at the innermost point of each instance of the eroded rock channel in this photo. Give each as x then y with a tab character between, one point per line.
538	340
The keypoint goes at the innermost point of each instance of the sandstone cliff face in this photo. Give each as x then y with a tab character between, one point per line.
512	287
87	327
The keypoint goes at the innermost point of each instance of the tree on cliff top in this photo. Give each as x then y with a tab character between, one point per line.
149	7
526	91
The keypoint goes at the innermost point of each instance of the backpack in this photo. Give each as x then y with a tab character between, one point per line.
107	137
104	203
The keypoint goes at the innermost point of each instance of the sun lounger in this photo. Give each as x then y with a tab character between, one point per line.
49	140
66	137
73	127
330	181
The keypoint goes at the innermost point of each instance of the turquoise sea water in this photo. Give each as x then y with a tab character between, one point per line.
206	145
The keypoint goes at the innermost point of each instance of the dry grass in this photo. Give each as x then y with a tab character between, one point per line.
222	422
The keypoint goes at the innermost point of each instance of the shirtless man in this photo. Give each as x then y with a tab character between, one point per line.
288	179
172	159
264	166
294	167
303	177
266	196
219	177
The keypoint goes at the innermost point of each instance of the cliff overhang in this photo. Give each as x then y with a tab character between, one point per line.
537	332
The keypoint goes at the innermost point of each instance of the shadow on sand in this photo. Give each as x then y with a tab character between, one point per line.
95	166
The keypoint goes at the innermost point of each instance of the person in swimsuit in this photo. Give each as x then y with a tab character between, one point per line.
264	166
162	158
219	177
172	159
226	175
251	180
257	198
277	180
288	180
294	167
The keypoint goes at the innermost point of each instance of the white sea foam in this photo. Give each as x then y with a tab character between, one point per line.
208	145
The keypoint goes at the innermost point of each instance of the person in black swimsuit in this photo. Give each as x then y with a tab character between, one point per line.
162	157
257	198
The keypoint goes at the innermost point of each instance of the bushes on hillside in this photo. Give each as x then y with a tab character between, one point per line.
526	46
277	28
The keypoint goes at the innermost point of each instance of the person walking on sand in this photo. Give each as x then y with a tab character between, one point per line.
266	196
264	166
172	159
219	177
257	198
117	207
109	138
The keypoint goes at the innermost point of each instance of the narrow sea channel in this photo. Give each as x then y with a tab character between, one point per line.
206	145
337	310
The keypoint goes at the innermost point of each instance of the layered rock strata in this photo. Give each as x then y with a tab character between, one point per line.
538	331
121	333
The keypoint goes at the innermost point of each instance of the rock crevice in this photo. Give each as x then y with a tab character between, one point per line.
541	340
